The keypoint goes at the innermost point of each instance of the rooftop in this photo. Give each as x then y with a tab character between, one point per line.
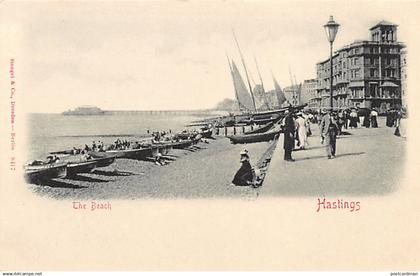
383	23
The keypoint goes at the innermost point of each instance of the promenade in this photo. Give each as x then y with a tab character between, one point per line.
368	162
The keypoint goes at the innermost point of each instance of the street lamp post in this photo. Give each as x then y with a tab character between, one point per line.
331	29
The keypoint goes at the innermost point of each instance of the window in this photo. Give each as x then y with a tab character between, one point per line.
372	72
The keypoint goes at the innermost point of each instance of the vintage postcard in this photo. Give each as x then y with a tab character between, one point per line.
209	135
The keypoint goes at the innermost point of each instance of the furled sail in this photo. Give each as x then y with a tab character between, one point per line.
281	98
242	94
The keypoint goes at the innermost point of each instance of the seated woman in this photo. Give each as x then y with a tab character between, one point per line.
244	176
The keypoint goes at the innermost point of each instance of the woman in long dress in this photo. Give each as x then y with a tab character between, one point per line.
301	130
353	119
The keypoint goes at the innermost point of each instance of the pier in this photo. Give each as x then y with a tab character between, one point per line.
198	112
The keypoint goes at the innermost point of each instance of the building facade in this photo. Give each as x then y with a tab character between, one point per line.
292	94
404	78
308	93
365	73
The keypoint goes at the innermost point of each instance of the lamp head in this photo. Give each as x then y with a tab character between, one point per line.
331	29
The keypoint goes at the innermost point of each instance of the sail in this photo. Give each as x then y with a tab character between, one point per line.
234	84
259	97
242	94
263	98
281	98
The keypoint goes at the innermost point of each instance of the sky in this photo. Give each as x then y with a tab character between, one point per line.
172	55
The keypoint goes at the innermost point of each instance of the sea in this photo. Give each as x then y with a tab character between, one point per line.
57	132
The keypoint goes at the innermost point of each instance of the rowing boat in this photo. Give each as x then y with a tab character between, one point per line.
141	153
42	172
182	144
261	129
74	168
254	138
104	161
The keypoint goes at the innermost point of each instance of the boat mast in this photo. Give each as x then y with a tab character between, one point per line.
293	87
298	90
246	71
234	85
262	84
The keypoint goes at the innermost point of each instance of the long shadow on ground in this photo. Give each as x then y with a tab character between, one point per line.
59	184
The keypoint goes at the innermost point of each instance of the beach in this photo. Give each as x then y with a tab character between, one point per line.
204	171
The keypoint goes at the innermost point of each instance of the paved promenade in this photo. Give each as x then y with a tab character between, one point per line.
369	162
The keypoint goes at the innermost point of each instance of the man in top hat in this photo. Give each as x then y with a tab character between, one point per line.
244	175
329	129
289	134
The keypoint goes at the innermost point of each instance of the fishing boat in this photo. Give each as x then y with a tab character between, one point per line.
39	172
254	138
70	151
141	153
261	129
74	168
182	144
161	147
104	161
253	104
186	135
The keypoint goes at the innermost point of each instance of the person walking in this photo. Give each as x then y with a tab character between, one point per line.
302	131
353	118
289	135
329	130
346	117
366	118
308	119
373	118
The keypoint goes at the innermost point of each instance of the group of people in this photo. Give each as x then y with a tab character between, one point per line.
96	146
393	116
296	126
353	118
365	117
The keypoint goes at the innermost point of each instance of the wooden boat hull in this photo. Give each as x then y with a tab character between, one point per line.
81	167
185	136
142	153
261	129
42	173
182	144
253	138
104	161
164	149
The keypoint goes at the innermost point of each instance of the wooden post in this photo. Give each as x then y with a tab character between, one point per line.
225	131
243	129
252	127
234	130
